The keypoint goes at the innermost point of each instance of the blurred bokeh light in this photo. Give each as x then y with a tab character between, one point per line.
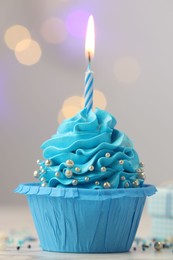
74	100
16	34
127	69
99	99
53	30
28	52
72	105
60	117
70	110
76	23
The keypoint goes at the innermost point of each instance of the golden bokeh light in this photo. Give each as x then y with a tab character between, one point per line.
23	45
60	117
70	110
75	104
71	106
82	102
127	69
28	52
16	34
53	30
99	99
73	101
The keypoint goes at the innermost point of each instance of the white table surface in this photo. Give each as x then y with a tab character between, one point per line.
19	218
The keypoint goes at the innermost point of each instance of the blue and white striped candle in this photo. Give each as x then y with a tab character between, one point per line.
89	50
88	94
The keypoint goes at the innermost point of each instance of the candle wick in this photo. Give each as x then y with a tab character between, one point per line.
89	60
89	57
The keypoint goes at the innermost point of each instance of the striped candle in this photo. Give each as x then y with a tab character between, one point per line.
88	94
89	51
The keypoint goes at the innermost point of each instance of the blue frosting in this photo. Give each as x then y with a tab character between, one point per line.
87	152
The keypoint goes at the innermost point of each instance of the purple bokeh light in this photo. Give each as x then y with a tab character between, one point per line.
76	23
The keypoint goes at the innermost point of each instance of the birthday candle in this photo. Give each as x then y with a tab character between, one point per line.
89	50
88	95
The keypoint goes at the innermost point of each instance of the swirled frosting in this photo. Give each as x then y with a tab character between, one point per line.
88	152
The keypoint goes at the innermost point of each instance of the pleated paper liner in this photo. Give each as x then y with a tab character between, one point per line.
83	220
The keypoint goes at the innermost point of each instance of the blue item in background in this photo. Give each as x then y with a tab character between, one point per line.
160	208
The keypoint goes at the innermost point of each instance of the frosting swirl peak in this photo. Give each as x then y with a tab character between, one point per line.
88	152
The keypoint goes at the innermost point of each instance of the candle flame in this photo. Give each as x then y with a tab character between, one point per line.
90	39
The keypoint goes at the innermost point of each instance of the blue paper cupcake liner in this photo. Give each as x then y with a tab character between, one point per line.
83	220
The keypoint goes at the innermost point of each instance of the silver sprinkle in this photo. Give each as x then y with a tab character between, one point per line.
97	183
121	161
106	185
48	162
141	175
103	169
77	169
57	174
91	168
69	163
139	170
158	245
107	155
135	183
38	161
44	184
42	179
68	173
87	178
74	182
43	171
123	178
142	164
126	185
36	174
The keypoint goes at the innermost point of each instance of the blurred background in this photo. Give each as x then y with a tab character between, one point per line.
42	66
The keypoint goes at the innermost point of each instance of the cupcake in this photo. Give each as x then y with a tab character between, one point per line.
90	191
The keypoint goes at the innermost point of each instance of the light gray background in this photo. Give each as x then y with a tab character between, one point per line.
31	96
